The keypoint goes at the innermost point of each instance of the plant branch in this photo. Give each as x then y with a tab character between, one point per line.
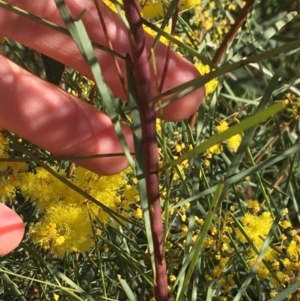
110	46
233	30
174	22
142	75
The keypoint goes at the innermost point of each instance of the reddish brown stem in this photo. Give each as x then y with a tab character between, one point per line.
109	43
141	68
233	30
174	22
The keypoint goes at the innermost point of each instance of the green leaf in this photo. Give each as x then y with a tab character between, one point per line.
244	125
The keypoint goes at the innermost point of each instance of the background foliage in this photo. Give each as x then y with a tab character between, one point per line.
230	209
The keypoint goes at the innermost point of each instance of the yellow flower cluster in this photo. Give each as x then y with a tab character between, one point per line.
162	39
225	243
211	86
283	258
65	228
233	143
256	226
4	142
206	18
66	225
11	172
294	100
216	247
155	9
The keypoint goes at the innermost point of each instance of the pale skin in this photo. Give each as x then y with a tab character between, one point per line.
62	124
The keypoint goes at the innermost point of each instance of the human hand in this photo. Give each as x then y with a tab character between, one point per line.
11	229
55	120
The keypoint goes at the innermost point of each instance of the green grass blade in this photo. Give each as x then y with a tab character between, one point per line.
266	99
287	292
84	45
129	293
236	129
261	253
265	36
191	260
184	89
242	174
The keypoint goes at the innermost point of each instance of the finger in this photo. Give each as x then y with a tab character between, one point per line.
11	230
63	49
56	121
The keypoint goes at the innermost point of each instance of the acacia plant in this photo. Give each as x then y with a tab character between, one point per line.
172	200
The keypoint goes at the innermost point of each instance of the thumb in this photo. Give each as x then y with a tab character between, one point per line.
11	230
